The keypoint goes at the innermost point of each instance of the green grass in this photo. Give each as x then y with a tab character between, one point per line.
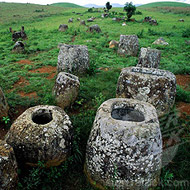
165	4
66	5
99	84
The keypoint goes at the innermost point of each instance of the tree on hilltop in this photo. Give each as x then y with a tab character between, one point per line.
130	9
108	6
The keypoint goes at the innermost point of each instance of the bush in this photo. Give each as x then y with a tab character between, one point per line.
186	33
130	9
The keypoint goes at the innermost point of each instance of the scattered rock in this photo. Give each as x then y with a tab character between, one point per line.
18	47
17	35
82	22
66	89
90	20
4	108
70	20
128	45
125	142
181	20
95	28
73	59
63	27
78	19
104	15
153	22
151	85
8	167
116	19
149	58
187	42
41	133
160	41
113	44
147	19
124	24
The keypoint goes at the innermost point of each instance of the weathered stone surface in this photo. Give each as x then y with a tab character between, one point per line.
18	47
128	45
147	19
113	44
153	22
63	27
181	20
73	59
95	28
66	89
125	146
155	86
160	41
149	58
82	22
70	20
4	108
104	15
41	133
8	167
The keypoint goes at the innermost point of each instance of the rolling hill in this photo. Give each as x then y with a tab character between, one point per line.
66	5
165	4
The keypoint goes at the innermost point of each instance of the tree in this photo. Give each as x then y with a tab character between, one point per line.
108	6
130	9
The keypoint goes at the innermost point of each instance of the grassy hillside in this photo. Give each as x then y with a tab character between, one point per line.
66	5
165	4
27	79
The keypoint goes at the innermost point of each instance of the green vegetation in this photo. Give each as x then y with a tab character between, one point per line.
27	79
108	6
165	4
66	5
130	9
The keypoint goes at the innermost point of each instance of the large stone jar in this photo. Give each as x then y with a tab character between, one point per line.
128	45
4	108
8	167
73	59
41	133
66	89
149	58
155	86
125	146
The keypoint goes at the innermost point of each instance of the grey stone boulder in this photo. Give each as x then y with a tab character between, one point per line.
70	20
95	28
73	59
63	27
149	58
155	86
124	148
128	45
41	133
82	22
66	89
160	41
90	20
8	167
4	108
18	47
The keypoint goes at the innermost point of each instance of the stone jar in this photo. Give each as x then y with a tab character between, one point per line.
149	58
95	28
41	133
128	45
4	108
125	146
155	86
63	27
73	59
66	89
8	167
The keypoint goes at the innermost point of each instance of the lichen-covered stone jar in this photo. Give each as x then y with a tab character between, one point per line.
66	89
155	86
8	167
41	133
125	146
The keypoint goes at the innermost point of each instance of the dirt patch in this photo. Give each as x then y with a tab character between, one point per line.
73	38
183	80
25	62
31	94
49	69
21	83
183	108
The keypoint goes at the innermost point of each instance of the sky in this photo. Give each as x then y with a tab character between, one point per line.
84	2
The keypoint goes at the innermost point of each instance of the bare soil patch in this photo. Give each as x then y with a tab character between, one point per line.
183	80
25	62
31	94
183	108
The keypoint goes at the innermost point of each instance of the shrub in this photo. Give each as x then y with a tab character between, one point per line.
130	9
108	6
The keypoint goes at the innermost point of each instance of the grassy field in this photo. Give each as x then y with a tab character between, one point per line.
68	5
27	79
